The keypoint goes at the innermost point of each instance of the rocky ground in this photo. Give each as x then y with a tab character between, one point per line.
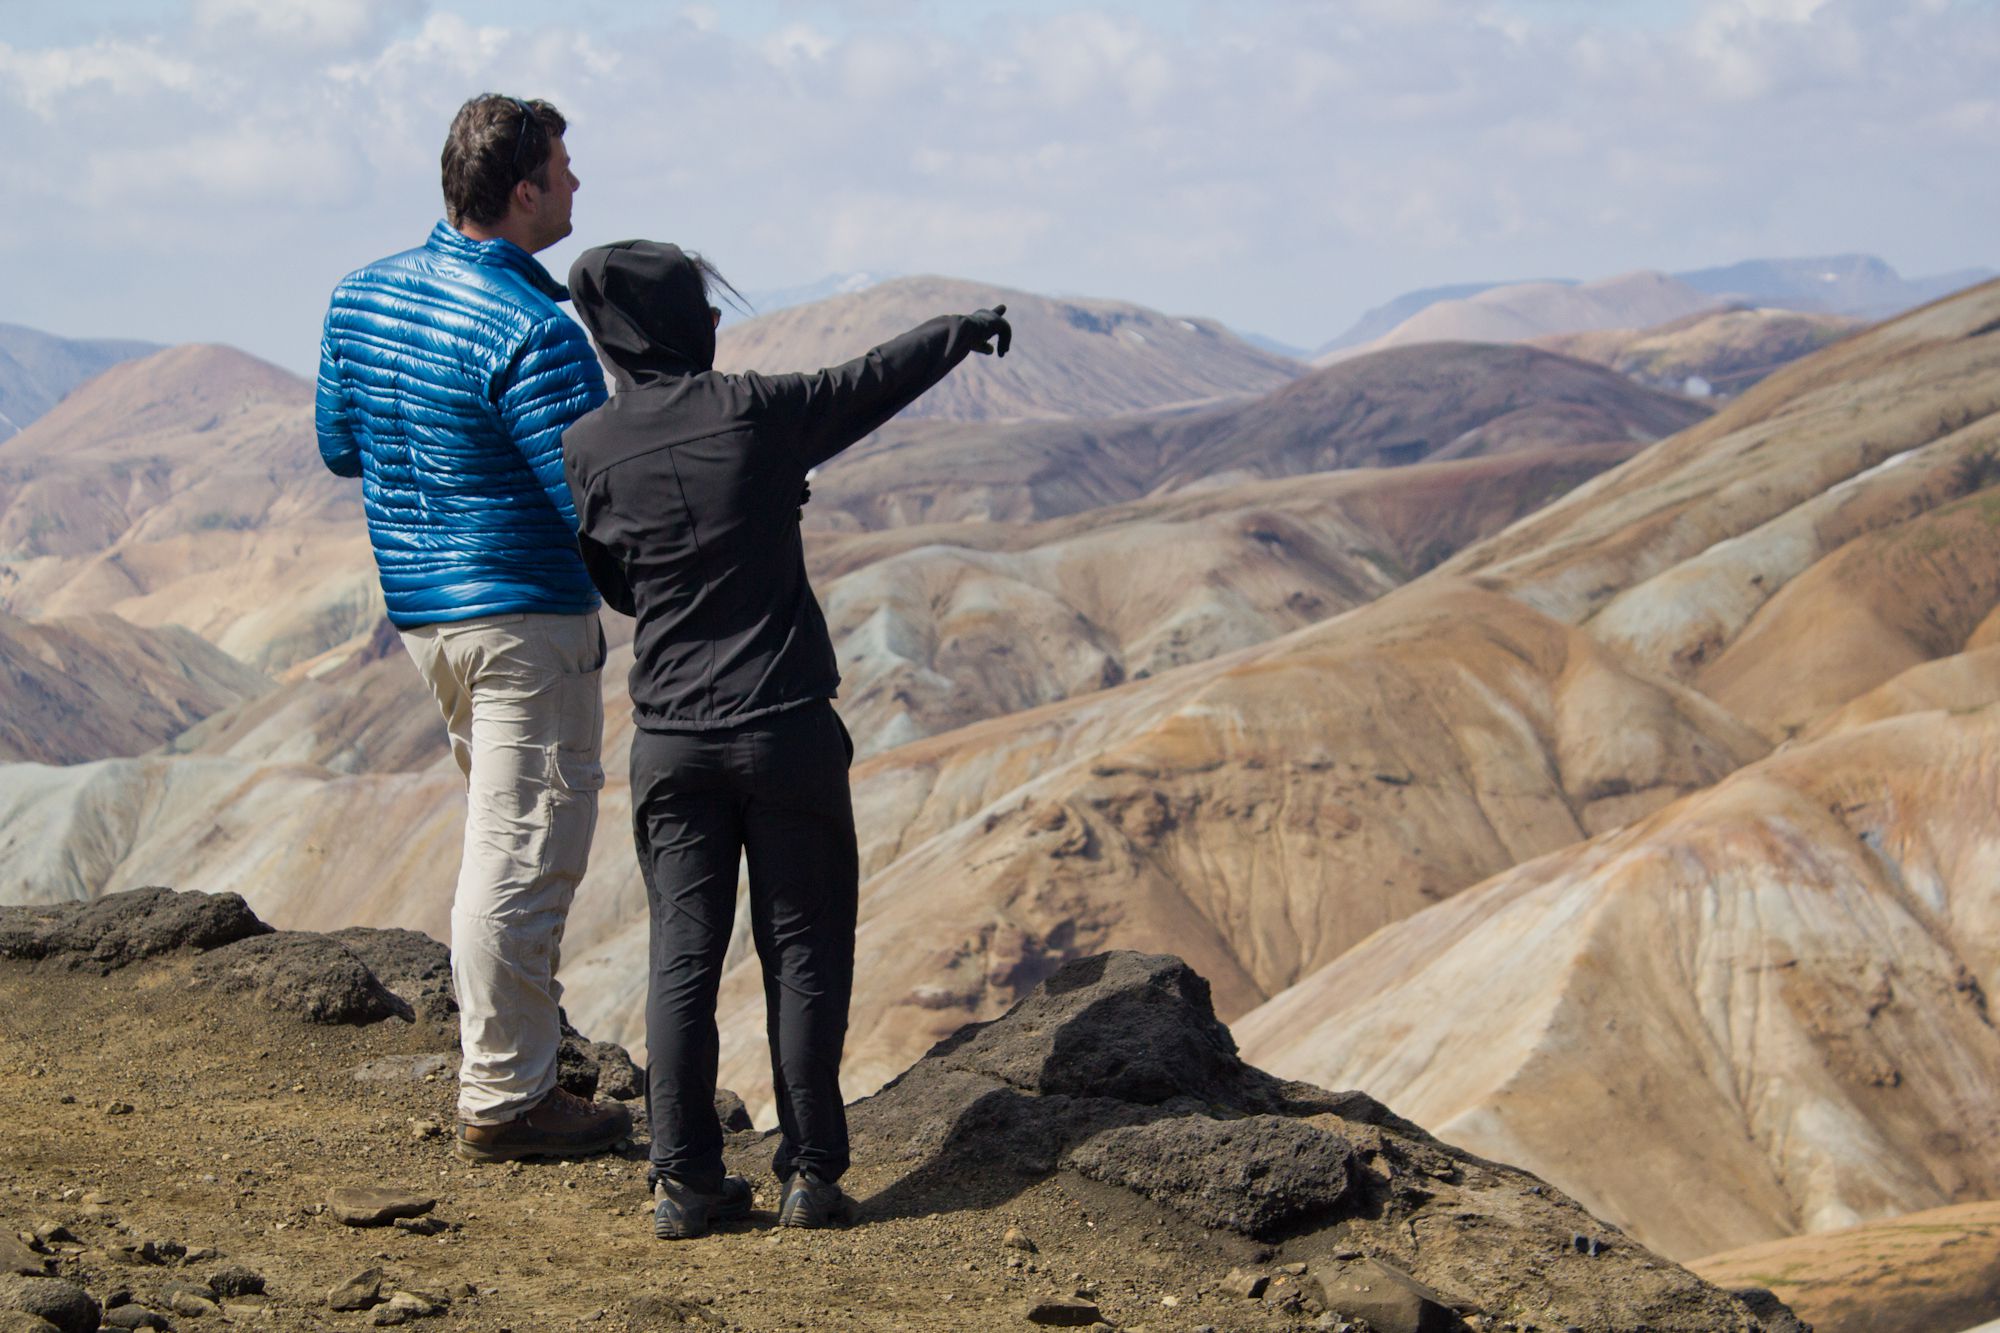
193	1109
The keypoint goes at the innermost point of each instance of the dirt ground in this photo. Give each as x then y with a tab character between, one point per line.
242	1120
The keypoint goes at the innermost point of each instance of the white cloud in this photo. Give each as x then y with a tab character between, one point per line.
301	25
1274	163
43	80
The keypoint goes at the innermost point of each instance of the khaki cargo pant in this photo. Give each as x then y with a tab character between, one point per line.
521	700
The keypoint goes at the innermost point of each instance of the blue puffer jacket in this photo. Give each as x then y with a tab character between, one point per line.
447	375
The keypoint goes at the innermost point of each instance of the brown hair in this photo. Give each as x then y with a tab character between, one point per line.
496	142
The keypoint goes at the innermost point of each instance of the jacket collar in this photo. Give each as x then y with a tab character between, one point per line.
448	240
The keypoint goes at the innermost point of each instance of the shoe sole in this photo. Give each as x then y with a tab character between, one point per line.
468	1152
665	1228
795	1217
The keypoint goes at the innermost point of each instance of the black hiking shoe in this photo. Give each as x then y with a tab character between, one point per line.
812	1202
680	1213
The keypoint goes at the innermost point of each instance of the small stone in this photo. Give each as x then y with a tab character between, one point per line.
359	1292
1017	1239
235	1280
417	1304
133	1317
422	1226
1292	1270
1013	1261
1589	1246
387	1316
1061	1313
114	1108
1244	1283
426	1129
1170	1301
67	1099
363	1207
193	1306
201	1254
54	1233
1284	1293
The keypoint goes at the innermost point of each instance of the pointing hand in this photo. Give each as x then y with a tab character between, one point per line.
990	328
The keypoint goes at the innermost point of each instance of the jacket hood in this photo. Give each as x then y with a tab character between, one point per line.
646	305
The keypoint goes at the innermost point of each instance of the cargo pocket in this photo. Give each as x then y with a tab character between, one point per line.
580	718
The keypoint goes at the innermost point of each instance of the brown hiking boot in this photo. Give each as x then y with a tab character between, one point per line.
560	1125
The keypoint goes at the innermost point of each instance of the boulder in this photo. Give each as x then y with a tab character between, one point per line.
731	1111
312	977
64	1304
1257	1175
411	965
1116	1069
123	928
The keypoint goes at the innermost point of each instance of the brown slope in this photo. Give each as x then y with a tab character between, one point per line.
1760	1011
937	627
1728	350
1677	549
1934	1270
93	687
1080	358
1400	407
186	488
1258	815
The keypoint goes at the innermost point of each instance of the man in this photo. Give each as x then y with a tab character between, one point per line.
447	376
688	484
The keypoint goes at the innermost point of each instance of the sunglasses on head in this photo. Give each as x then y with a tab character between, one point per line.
528	117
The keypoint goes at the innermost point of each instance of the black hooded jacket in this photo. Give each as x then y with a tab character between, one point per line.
687	487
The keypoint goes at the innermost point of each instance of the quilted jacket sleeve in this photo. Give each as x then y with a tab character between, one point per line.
554	380
337	448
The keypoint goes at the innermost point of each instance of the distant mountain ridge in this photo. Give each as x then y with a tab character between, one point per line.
1072	357
37	369
1853	284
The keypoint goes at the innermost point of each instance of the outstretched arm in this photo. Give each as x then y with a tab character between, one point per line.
829	410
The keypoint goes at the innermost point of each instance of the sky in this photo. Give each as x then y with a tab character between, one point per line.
206	170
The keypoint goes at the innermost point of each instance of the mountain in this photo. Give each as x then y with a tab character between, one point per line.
1937	1269
1775	984
1381	319
765	300
1857	285
1403	406
1712	352
94	686
37	369
185	487
1070	358
940	626
1518	312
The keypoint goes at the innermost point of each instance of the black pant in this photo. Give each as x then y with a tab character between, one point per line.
774	790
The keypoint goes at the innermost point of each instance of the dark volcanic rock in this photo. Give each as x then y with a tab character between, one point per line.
1258	1175
312	976
63	1304
236	1280
1117	1069
410	964
123	928
730	1110
589	1068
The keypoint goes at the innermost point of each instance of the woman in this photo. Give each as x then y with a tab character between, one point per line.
687	487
